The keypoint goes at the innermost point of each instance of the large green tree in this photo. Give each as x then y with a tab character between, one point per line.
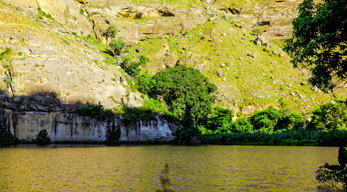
319	41
186	91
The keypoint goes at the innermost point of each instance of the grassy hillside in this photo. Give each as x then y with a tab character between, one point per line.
252	79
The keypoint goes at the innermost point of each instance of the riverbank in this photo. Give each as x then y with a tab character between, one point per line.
288	138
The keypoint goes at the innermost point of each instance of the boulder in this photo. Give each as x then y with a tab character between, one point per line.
251	55
206	1
275	52
260	41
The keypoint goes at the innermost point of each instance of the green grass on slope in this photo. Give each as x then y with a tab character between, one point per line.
260	82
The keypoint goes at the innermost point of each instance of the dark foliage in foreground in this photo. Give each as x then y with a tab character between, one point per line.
319	41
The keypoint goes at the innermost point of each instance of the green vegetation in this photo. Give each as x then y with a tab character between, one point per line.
6	60
139	15
145	83
266	121
113	135
319	41
272	127
334	174
6	138
81	11
133	68
245	82
41	14
257	31
117	46
242	125
110	32
43	138
96	111
137	114
67	13
188	93
330	117
219	120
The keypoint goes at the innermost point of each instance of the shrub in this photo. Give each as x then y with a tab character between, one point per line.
42	137
137	114
81	11
186	136
6	138
220	119
117	46
133	68
96	112
292	121
332	138
145	83
266	120
329	116
242	125
139	15
8	80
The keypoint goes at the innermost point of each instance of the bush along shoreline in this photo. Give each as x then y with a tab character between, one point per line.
272	127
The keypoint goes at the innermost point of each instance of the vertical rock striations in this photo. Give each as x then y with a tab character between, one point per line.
26	116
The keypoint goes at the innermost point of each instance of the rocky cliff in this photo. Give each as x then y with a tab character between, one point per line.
25	117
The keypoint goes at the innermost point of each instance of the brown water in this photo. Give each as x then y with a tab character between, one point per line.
137	168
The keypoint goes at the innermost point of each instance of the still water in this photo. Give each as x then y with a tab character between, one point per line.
137	168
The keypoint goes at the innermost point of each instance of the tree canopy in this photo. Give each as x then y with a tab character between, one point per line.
319	41
186	90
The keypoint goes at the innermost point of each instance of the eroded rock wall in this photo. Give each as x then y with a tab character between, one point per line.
72	127
24	117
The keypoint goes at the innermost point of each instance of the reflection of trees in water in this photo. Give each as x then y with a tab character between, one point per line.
165	180
330	188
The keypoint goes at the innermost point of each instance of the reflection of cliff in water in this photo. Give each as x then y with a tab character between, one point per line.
25	116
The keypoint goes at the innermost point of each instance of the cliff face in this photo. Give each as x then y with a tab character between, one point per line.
25	118
72	127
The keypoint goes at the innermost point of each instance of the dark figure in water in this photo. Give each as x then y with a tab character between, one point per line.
332	167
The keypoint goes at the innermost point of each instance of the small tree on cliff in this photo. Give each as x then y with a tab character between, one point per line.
110	32
319	41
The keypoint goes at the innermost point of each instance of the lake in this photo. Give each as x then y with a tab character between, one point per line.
137	168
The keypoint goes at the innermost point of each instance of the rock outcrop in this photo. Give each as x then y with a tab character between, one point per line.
73	127
94	17
25	117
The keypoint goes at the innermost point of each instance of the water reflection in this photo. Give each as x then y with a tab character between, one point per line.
330	188
137	168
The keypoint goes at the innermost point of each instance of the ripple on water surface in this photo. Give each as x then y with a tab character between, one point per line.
137	168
